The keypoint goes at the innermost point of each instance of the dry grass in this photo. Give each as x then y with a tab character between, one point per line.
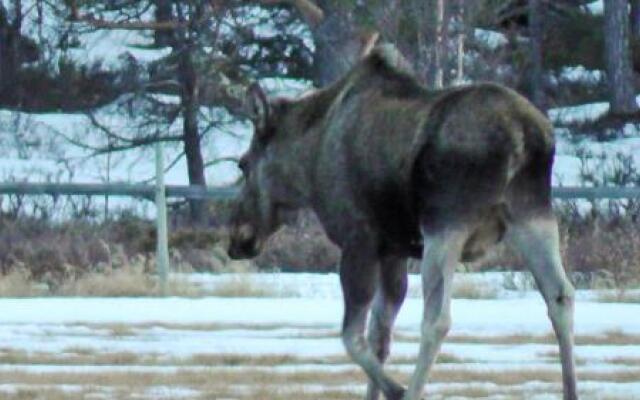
612	337
554	356
618	296
474	391
77	356
629	361
45	393
615	337
132	280
201	379
274	393
121	330
246	286
606	245
18	283
469	289
88	356
128	281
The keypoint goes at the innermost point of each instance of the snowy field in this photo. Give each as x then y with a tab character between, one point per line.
285	344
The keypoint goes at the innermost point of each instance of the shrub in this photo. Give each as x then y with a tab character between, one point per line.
300	247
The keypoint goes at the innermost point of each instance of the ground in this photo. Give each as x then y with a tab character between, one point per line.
286	343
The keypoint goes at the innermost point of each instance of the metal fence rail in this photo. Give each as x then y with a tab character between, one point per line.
200	192
116	189
592	193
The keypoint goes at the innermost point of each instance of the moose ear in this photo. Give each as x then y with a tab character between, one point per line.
368	41
257	106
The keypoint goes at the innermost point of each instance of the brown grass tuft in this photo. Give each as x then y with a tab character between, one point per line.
127	281
18	283
465	288
618	296
245	286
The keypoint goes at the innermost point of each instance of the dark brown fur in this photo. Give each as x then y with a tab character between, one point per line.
384	163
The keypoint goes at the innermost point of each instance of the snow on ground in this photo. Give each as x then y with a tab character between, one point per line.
596	7
491	38
580	74
598	156
276	347
583	112
57	159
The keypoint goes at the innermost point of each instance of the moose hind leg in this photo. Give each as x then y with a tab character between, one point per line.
392	289
441	254
358	278
537	241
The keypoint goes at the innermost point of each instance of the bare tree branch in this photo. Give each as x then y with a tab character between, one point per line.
221	160
312	14
104	129
99	23
137	143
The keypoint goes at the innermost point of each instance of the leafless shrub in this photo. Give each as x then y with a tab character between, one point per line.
245	286
303	246
469	289
130	280
18	283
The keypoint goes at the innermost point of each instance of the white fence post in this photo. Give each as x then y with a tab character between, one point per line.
162	254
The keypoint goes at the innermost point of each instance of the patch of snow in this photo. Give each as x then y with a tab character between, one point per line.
580	74
327	286
111	46
53	157
171	331
580	113
171	392
285	87
470	316
574	156
576	114
491	38
596	7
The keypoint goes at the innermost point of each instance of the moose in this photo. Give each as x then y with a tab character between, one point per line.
393	171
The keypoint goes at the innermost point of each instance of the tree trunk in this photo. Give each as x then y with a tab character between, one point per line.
163	13
332	38
10	28
618	57
439	46
535	51
193	152
460	37
635	19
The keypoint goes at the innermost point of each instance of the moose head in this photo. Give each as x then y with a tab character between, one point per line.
274	169
268	197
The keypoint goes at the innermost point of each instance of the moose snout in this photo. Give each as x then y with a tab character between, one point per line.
243	243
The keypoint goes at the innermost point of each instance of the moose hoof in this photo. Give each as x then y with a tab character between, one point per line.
397	394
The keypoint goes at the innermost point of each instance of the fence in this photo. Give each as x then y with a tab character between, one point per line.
159	192
148	192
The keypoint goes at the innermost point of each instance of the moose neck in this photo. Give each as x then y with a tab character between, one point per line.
298	150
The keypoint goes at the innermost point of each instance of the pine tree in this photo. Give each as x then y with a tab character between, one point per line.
618	58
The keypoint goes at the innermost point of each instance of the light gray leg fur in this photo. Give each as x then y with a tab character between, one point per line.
440	257
537	240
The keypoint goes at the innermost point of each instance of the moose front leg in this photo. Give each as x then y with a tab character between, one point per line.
358	274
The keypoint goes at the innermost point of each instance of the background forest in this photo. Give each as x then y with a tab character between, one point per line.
88	87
